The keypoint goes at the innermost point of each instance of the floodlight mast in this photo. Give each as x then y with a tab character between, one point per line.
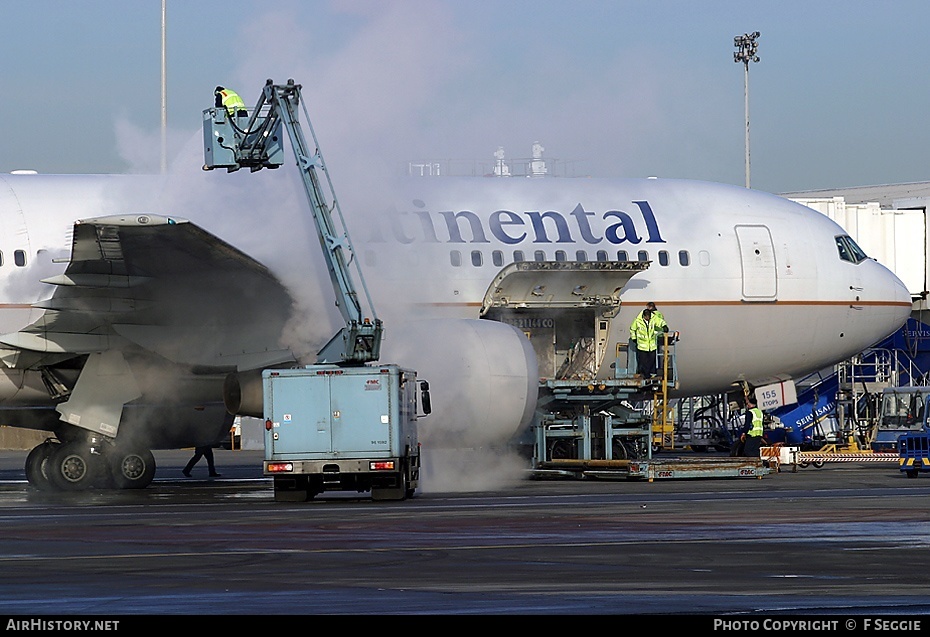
746	52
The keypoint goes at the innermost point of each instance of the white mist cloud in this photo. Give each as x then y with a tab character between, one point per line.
469	470
372	101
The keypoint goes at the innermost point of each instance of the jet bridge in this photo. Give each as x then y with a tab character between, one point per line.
587	389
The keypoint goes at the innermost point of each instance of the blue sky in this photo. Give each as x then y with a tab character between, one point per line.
609	88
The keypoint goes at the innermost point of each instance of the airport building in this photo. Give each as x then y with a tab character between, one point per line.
889	222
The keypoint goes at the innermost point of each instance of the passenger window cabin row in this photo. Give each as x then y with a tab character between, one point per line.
497	257
19	258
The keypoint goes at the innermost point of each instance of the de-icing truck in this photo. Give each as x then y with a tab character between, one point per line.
346	422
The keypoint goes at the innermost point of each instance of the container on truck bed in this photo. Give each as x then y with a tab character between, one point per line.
333	428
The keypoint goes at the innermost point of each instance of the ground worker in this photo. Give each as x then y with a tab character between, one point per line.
231	100
201	452
652	306
643	332
750	440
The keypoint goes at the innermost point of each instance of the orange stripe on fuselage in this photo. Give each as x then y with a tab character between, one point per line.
730	303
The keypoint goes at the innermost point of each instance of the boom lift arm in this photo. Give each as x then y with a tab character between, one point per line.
239	140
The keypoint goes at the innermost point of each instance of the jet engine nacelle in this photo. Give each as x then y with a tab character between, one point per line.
483	379
243	394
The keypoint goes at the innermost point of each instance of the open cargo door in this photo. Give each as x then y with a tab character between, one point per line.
565	309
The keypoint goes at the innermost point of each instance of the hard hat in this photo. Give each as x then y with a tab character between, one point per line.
218	89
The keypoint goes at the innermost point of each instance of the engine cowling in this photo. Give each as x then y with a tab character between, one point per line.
243	394
482	374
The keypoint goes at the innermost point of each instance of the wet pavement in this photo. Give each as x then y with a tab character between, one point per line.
849	538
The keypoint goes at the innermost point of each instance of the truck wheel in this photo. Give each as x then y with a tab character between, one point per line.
911	473
561	450
391	493
291	496
293	489
618	450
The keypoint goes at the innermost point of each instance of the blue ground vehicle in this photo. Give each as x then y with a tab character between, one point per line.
903	410
914	452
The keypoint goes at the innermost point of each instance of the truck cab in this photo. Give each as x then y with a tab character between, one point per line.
903	410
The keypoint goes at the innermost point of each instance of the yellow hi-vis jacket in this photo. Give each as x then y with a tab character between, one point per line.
645	333
756	429
232	101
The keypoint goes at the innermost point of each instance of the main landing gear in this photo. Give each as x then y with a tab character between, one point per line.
81	464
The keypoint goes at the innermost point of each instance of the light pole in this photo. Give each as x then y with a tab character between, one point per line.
746	52
164	93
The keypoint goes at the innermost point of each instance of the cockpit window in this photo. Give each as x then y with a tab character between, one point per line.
849	250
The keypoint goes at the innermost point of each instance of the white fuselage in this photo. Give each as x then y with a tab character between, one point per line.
753	282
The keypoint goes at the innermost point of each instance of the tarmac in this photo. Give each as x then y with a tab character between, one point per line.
849	539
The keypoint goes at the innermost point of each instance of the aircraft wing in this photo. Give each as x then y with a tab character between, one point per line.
164	285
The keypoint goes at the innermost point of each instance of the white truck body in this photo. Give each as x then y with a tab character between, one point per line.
329	427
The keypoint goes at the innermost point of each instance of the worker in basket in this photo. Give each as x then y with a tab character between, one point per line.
231	101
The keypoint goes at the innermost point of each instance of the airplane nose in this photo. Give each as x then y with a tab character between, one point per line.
901	302
905	298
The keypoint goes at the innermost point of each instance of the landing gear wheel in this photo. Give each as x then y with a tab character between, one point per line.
36	463
71	467
131	468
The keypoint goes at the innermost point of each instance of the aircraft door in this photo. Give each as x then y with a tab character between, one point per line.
757	259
